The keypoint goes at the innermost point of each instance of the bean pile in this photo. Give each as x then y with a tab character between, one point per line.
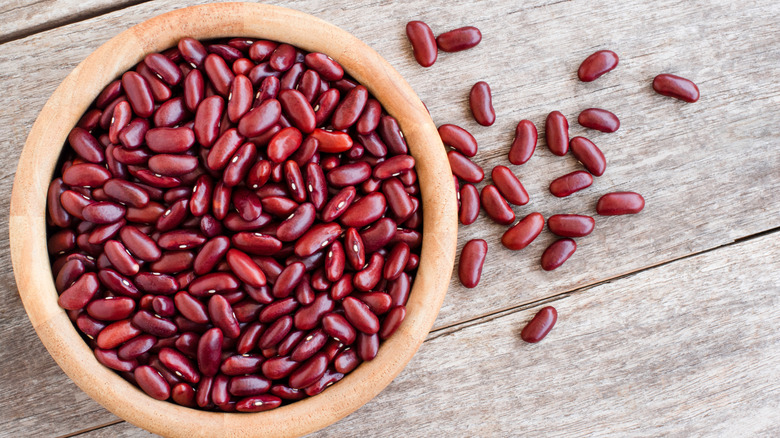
235	224
507	189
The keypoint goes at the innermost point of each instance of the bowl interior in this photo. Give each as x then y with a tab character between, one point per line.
70	101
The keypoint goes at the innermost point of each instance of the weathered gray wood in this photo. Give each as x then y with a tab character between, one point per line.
686	349
19	18
708	170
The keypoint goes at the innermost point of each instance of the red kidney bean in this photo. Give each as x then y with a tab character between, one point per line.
325	105
201	195
309	316
294	179
599	119
284	143
153	324
423	43
676	87
170	140
215	282
597	64
369	276
126	192
399	290
58	214
222	316
524	144
317	238
238	167
133	135
556	131
335	261
86	175
247	203
152	382
209	352
239	365
71	271
392	321
90	119
496	206
260	119
342	287
120	258
332	142
283	57
194	91
540	325
61	242
258	403
118	284
472	258
589	155
259	51
392	136
179	365
277	309
276	332
111	308
378	235
327	68
524	232
316	185
338	204
207	120
245	268
298	110
172	262
109	94
459	139
509	186
339	328
557	253
191	308
349	109
242	386
481	104
164	68
80	293
367	346
309	346
469	208
122	115
309	372
459	39
219	74
224	148
365	211
174	216
396	261
135	347
572	182
139	94
570	225
464	168
310	85
398	200
618	203
240	98
172	165
360	316
414	262
184	395
354	249
369	118
288	279
346	361
192	51
350	174
116	334
110	359
393	166
249	337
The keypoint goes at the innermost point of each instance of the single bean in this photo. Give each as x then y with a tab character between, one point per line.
677	87
459	39
597	64
571	182
540	325
496	206
599	119
481	104
524	144
557	253
618	203
524	232
472	258
459	139
570	225
509	186
464	168
556	131
423	43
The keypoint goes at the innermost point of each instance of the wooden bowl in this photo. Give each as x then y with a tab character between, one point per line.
71	100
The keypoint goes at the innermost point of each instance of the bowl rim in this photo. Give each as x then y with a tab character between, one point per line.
71	99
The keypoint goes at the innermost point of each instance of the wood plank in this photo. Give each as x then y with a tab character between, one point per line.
19	18
704	168
689	348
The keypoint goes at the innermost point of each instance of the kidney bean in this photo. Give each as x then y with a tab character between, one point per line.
459	139
203	394
599	119
540	325
138	93
309	372
589	155
207	120
240	98
367	346
423	43
86	175
309	346
360	316
309	85
472	258
572	182
258	403
164	68
284	143
392	321
111	308
346	361
170	140
339	328
309	316
571	225
152	382
276	332
524	144
249	337
153	324
239	365
298	110
557	253
369	276
524	232
121	117
369	118
184	395
110	359
209	352
294	179
333	142
335	261
398	200
283	57
244	267
365	211
349	109
222	316
179	365
392	136
215	282
288	279
481	104
194	92
414	262
676	87
260	119
71	271
618	203
496	206
126	192
181	239
459	39
338	204
317	238
80	293
61	242
277	309
378	235
58	214
595	65
90	120
396	261
192	51
290	342
378	302
154	179
509	186
464	168
242	386
118	284
116	334
350	174
325	66
109	94
172	262
393	166
556	131
399	289
191	308
133	136
219	73
325	105
226	145
135	347
120	258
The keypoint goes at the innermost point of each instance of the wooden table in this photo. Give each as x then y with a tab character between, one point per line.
669	321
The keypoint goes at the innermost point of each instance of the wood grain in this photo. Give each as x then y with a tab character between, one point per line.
19	18
708	170
686	349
